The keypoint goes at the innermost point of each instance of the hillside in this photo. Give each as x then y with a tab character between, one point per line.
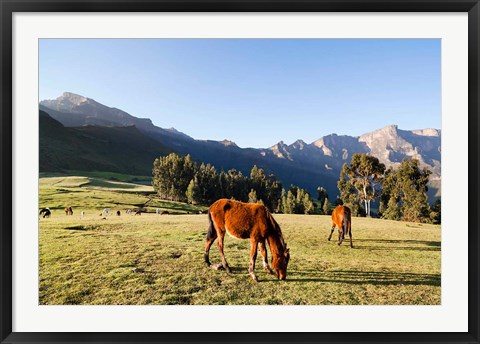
96	148
307	165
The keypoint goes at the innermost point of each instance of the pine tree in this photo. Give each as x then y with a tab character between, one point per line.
268	188
405	190
308	204
172	175
193	192
322	194
388	191
436	212
327	207
252	196
208	183
392	210
290	203
281	202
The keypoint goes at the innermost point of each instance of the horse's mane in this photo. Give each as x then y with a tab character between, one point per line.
277	229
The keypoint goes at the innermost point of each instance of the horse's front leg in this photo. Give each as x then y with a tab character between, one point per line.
221	236
253	258
263	252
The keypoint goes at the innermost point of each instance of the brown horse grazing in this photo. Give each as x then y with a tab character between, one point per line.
68	211
342	218
247	221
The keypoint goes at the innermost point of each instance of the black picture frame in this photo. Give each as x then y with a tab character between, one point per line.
8	7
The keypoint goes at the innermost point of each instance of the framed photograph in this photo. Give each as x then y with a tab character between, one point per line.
339	139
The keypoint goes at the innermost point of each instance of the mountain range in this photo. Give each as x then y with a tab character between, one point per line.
78	133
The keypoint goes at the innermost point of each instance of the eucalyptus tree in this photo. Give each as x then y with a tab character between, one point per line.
365	173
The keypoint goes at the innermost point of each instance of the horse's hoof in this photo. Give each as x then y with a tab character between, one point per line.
228	270
254	278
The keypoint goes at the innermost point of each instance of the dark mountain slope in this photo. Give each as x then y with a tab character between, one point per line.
92	148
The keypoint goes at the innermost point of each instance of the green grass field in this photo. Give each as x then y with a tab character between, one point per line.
158	259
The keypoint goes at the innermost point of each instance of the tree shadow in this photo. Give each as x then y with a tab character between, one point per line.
365	277
404	242
427	245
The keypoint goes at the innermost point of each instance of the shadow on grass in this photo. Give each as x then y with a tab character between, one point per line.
402	242
81	228
112	185
422	245
365	277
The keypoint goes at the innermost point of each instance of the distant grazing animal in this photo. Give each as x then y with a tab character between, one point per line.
247	221
138	212
82	214
129	211
106	211
68	211
158	211
164	212
118	212
342	219
46	212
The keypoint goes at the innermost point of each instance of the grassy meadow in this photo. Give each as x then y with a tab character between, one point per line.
158	259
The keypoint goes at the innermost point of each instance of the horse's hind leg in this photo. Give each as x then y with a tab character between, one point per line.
350	234
331	232
340	236
263	252
221	236
253	258
208	243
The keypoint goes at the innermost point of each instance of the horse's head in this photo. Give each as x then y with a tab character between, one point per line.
280	263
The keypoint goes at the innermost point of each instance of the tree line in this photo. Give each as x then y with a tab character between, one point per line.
401	192
180	178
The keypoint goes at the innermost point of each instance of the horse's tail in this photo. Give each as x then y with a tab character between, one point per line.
346	223
211	229
211	235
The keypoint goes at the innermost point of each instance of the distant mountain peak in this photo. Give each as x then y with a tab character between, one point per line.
299	144
427	132
391	129
280	150
73	98
227	143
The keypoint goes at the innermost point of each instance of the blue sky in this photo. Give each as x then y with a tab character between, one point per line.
255	92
